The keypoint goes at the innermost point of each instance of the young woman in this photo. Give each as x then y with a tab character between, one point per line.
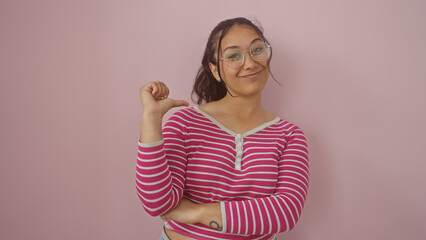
225	169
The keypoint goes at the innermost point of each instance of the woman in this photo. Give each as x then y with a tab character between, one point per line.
226	169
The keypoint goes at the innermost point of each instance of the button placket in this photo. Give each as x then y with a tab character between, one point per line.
239	150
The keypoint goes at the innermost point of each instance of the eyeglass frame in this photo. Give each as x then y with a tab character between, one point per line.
249	50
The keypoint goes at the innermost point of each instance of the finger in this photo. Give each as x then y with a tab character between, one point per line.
178	103
160	91
146	88
163	90
167	92
155	89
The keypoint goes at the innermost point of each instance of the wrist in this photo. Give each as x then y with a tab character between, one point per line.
201	213
151	128
210	215
152	116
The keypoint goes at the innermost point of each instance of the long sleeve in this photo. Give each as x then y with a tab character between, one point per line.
161	169
260	177
280	211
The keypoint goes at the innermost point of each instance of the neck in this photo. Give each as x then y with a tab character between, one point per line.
241	106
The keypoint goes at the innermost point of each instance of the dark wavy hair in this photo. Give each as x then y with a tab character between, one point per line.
206	87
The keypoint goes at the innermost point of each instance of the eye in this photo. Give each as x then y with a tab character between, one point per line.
258	50
234	57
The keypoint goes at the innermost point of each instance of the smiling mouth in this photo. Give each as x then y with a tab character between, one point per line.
252	74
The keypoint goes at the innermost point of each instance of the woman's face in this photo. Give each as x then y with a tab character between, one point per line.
250	78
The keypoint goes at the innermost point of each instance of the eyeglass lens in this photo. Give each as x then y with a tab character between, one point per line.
234	57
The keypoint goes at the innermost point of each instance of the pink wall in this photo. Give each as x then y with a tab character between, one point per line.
353	74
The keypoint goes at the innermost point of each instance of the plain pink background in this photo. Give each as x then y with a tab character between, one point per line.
353	75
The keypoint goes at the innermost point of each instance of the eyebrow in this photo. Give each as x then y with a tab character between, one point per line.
254	40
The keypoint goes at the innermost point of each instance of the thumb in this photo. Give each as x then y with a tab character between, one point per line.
178	103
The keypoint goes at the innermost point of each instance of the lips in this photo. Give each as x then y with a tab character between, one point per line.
251	75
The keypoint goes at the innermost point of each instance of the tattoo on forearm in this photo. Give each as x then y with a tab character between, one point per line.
215	225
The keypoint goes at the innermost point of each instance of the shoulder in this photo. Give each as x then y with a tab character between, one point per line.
184	119
291	135
287	128
185	114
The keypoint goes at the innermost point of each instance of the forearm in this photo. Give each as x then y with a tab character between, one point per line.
260	216
160	176
255	216
151	128
153	179
158	191
211	215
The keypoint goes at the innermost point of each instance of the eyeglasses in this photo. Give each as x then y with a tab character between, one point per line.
234	57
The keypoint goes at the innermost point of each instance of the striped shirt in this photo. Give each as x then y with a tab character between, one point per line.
260	178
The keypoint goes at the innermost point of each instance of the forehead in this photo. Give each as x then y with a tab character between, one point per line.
240	36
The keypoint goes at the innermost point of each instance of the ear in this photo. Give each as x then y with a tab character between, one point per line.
213	69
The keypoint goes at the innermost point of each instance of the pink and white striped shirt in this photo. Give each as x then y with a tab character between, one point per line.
260	177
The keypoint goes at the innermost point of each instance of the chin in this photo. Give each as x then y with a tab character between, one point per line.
255	89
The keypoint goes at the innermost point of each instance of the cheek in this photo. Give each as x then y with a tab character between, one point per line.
229	73
265	65
266	70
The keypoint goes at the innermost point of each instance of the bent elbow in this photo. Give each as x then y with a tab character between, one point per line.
152	213
291	225
157	208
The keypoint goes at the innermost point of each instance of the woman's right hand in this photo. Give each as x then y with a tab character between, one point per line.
154	99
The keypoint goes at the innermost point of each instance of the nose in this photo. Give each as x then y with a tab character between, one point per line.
249	62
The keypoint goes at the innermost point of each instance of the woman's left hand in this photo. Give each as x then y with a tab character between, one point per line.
185	212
